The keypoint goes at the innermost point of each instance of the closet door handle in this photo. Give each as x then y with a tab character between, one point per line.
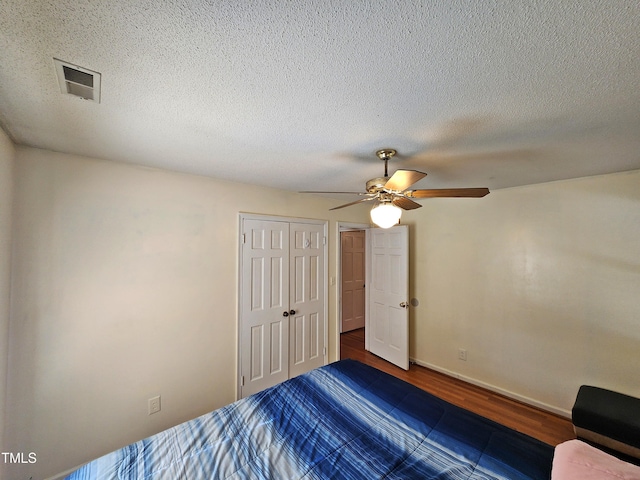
292	312
285	314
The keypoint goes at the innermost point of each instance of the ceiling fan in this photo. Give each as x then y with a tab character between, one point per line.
392	195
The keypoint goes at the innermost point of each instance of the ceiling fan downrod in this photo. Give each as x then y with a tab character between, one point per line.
385	154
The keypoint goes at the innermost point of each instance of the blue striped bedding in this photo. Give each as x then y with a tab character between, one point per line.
346	421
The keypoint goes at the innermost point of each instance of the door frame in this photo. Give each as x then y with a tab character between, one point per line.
346	227
276	218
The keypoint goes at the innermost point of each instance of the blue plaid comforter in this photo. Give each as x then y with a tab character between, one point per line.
345	421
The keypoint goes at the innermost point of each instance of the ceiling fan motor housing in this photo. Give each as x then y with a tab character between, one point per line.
376	184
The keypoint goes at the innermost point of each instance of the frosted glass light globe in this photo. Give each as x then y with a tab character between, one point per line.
385	215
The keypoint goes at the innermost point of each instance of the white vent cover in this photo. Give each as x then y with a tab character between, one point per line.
78	81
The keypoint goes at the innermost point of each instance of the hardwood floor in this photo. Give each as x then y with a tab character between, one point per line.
547	427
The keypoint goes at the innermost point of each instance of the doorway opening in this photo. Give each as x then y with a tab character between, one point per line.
352	281
342	229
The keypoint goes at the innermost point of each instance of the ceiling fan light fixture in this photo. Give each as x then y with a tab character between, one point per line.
386	215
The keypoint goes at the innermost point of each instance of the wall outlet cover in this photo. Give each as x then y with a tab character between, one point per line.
154	405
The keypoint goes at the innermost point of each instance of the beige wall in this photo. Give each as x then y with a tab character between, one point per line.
125	284
7	153
539	284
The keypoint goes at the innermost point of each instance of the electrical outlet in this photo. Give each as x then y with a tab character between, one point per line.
462	354
154	405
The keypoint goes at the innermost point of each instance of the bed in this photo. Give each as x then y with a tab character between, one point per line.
345	420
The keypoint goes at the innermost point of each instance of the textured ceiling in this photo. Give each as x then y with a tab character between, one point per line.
299	95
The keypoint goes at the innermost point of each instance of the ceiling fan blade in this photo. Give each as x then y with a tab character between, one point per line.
405	203
448	192
403	179
352	203
348	193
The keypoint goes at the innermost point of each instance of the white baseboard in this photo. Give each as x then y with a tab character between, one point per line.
529	401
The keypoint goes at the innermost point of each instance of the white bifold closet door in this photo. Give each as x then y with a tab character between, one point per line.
282	302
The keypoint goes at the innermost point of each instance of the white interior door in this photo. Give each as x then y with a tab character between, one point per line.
307	284
264	331
388	330
352	274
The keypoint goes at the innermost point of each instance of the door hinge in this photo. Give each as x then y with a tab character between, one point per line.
324	240
243	238
242	380
324	351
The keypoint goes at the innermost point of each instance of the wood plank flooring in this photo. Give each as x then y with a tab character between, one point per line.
545	426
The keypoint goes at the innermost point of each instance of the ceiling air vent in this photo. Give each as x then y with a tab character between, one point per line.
78	81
